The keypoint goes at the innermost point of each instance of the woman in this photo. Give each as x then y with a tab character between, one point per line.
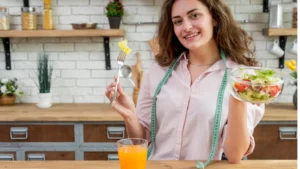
196	39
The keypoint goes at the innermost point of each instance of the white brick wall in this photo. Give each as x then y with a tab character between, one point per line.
80	75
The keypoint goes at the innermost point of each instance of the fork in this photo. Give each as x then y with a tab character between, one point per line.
120	61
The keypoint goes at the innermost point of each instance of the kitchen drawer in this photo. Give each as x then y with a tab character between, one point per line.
49	155
4	156
101	156
275	142
37	133
104	132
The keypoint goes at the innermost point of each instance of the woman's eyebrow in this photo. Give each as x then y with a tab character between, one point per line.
190	11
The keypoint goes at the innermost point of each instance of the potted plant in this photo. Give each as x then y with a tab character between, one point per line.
44	75
115	11
9	91
291	64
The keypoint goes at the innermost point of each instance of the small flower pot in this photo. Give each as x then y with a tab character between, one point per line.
114	22
7	100
45	100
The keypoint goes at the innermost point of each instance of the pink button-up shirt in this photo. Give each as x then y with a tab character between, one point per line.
185	113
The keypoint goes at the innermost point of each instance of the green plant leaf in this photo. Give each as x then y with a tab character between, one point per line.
114	8
44	73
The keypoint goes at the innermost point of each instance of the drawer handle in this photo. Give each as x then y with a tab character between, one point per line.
39	157
14	131
7	157
115	131
112	157
287	131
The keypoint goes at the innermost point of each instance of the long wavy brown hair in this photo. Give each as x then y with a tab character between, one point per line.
229	36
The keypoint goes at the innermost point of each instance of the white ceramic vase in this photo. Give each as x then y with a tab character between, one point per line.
45	100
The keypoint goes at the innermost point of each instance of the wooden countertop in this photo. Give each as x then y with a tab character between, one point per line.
103	112
246	164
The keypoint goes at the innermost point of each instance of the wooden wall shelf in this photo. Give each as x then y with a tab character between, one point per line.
62	33
105	33
280	31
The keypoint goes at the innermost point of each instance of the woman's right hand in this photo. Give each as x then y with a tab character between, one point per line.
124	104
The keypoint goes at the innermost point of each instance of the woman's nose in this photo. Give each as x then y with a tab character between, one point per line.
187	26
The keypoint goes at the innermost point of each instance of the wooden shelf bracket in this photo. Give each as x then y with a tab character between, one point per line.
6	44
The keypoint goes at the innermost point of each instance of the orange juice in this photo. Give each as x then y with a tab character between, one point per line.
132	157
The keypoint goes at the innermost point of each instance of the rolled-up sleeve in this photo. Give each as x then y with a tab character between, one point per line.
254	115
144	106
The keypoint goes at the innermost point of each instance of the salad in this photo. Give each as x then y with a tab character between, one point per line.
256	85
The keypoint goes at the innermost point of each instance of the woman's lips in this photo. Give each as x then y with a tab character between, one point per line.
191	36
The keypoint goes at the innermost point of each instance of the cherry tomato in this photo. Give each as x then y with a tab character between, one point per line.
240	87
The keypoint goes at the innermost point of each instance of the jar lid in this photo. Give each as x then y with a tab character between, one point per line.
3	9
28	9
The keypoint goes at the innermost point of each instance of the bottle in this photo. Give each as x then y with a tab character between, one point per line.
48	20
4	19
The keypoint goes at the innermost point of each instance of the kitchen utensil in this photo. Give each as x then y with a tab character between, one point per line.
120	61
275	17
136	71
154	45
134	74
126	72
139	69
294	47
275	49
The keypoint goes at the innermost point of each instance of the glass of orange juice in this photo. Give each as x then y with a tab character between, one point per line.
132	153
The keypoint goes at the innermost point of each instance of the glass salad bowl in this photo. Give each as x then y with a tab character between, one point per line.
256	84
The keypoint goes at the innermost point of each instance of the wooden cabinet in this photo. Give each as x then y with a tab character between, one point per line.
49	155
101	156
104	132
275	141
37	133
90	132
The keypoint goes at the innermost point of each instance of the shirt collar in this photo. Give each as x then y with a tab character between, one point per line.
182	56
218	65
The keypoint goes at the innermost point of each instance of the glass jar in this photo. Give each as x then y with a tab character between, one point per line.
295	17
4	19
28	18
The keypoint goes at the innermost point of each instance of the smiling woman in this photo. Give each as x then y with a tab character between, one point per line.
211	22
185	109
